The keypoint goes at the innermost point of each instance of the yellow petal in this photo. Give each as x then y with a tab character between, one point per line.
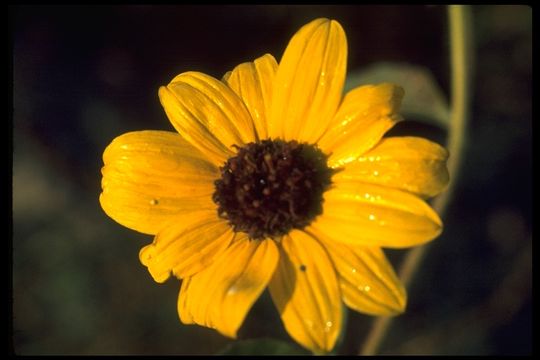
220	296
306	293
363	117
153	177
208	114
186	246
309	82
408	163
367	280
371	215
253	82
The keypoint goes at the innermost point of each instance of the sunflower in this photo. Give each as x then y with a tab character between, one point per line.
276	180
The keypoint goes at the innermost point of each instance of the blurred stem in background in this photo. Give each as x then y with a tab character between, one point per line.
459	17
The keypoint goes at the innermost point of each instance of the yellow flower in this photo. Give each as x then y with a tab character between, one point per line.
275	179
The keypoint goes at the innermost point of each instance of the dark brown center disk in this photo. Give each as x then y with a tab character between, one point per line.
271	187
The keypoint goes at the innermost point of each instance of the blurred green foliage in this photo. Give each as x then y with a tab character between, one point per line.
263	347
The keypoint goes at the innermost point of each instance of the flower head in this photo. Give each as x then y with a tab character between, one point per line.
275	179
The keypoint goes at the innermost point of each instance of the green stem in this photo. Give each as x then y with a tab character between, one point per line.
459	17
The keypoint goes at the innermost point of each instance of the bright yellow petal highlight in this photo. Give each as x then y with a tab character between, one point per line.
367	280
309	82
186	246
370	215
364	116
220	296
409	163
208	114
253	83
153	177
306	293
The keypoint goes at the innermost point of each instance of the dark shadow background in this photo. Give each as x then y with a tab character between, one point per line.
84	75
